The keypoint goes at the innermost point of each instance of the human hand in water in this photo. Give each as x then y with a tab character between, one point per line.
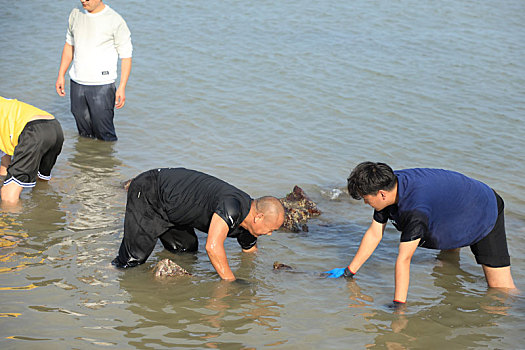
241	282
398	306
340	271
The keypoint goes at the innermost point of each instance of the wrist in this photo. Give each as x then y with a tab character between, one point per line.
348	273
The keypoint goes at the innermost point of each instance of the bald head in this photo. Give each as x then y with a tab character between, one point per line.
271	208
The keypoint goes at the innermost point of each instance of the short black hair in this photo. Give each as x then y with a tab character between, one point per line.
369	178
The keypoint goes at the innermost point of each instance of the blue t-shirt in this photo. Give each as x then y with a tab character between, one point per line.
446	209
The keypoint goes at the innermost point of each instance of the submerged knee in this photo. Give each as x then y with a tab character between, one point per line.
499	277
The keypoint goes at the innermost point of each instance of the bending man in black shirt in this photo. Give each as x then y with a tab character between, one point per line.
170	203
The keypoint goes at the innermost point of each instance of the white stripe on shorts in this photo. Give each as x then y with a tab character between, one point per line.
44	177
20	183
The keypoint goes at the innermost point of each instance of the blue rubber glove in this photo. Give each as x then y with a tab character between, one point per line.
340	271
335	273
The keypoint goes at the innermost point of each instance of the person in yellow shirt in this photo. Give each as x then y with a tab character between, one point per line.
30	142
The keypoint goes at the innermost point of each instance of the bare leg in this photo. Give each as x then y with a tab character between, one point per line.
499	277
11	193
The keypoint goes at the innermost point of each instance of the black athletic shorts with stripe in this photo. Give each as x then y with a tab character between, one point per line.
38	148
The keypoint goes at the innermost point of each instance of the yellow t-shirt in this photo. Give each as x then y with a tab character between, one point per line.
14	115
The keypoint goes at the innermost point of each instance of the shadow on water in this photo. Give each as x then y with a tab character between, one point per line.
461	317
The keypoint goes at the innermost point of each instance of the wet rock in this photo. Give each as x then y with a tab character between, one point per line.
167	268
126	184
280	266
298	209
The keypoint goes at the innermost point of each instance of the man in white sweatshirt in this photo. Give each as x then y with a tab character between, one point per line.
95	39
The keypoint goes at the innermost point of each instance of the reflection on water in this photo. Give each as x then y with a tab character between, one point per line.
460	316
47	246
94	158
93	194
26	231
194	309
11	234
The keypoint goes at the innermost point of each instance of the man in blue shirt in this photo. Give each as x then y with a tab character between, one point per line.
433	208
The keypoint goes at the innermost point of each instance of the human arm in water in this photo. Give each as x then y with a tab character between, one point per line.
369	243
402	274
217	234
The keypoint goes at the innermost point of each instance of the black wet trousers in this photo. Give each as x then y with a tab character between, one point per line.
146	221
93	107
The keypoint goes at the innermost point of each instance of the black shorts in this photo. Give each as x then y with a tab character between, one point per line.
38	147
492	250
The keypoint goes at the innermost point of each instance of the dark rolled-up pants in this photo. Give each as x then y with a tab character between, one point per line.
146	221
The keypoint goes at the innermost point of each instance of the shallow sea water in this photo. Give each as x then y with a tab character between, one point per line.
266	96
